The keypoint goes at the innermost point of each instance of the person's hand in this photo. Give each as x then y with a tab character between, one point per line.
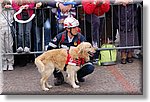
123	2
1	1
26	6
67	8
38	4
95	2
7	6
62	7
22	7
61	21
99	2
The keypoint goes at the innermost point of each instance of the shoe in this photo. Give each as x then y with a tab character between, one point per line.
4	67
81	79
123	61
46	47
27	50
58	81
129	57
123	57
136	54
129	60
20	50
10	67
95	61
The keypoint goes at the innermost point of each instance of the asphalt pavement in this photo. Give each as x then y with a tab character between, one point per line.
105	80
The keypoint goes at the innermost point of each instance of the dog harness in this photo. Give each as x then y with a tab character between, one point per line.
70	61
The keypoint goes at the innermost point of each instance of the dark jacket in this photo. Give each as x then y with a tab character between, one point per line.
58	41
42	13
126	22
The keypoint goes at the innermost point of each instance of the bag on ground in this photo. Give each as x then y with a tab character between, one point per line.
107	57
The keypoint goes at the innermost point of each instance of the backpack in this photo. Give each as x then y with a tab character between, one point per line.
107	57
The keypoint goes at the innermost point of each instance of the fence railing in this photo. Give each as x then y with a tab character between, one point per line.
44	28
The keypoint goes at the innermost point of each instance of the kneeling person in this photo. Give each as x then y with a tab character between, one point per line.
70	37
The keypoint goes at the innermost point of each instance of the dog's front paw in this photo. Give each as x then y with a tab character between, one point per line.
49	86
45	89
76	86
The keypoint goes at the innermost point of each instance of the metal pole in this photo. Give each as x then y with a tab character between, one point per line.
43	33
112	22
1	70
121	48
0	56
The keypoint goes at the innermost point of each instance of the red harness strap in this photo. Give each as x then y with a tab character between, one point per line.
77	62
70	60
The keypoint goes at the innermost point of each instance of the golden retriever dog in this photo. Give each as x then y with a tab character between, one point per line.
56	58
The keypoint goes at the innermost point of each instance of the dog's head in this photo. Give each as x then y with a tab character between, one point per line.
85	50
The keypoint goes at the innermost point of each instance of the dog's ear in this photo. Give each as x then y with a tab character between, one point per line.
80	49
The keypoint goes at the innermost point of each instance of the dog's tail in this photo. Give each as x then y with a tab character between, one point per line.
39	65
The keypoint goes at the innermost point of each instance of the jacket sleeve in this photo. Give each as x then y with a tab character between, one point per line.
15	5
105	7
88	7
82	38
31	5
91	8
54	43
102	9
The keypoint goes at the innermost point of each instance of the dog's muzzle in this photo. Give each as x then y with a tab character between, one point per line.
91	53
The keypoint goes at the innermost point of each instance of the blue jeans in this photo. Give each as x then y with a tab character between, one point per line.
38	36
60	27
47	30
37	39
85	70
24	34
96	27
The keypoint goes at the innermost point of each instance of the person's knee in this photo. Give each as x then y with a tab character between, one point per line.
90	69
85	70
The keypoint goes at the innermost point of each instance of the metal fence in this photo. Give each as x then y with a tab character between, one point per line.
48	29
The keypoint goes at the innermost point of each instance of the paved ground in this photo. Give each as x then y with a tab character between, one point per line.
1	82
117	79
